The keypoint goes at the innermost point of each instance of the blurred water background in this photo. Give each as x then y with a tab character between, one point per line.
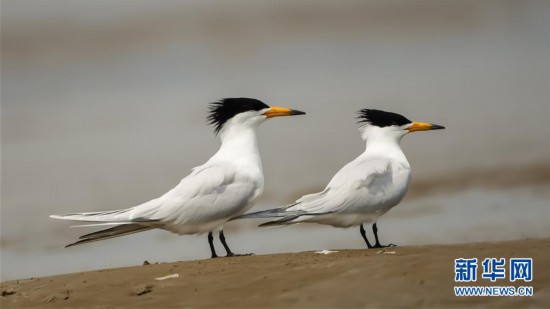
103	106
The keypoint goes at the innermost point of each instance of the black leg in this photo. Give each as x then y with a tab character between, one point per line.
375	231
229	253
211	243
362	230
222	238
377	244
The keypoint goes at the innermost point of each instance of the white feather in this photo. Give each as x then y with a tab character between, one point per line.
361	191
226	186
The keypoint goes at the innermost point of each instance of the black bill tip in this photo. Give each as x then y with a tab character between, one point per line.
296	112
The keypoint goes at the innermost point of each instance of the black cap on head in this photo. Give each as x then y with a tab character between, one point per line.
225	109
381	119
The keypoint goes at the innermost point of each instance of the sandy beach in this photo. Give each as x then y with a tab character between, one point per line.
421	276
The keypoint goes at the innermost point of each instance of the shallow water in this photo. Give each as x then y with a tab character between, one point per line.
467	216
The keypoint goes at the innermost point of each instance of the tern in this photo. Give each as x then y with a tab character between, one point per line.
227	185
365	188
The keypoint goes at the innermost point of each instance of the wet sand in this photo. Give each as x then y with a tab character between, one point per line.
420	276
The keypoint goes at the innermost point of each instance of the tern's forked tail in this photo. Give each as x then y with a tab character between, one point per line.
270	213
117	231
122	219
285	216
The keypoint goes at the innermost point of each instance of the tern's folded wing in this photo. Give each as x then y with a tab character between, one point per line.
210	193
348	188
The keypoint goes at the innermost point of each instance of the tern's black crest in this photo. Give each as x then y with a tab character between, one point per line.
225	109
381	119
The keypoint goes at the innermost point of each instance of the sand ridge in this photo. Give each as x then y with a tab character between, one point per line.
390	277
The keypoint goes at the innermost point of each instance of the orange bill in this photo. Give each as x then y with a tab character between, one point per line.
276	111
424	126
